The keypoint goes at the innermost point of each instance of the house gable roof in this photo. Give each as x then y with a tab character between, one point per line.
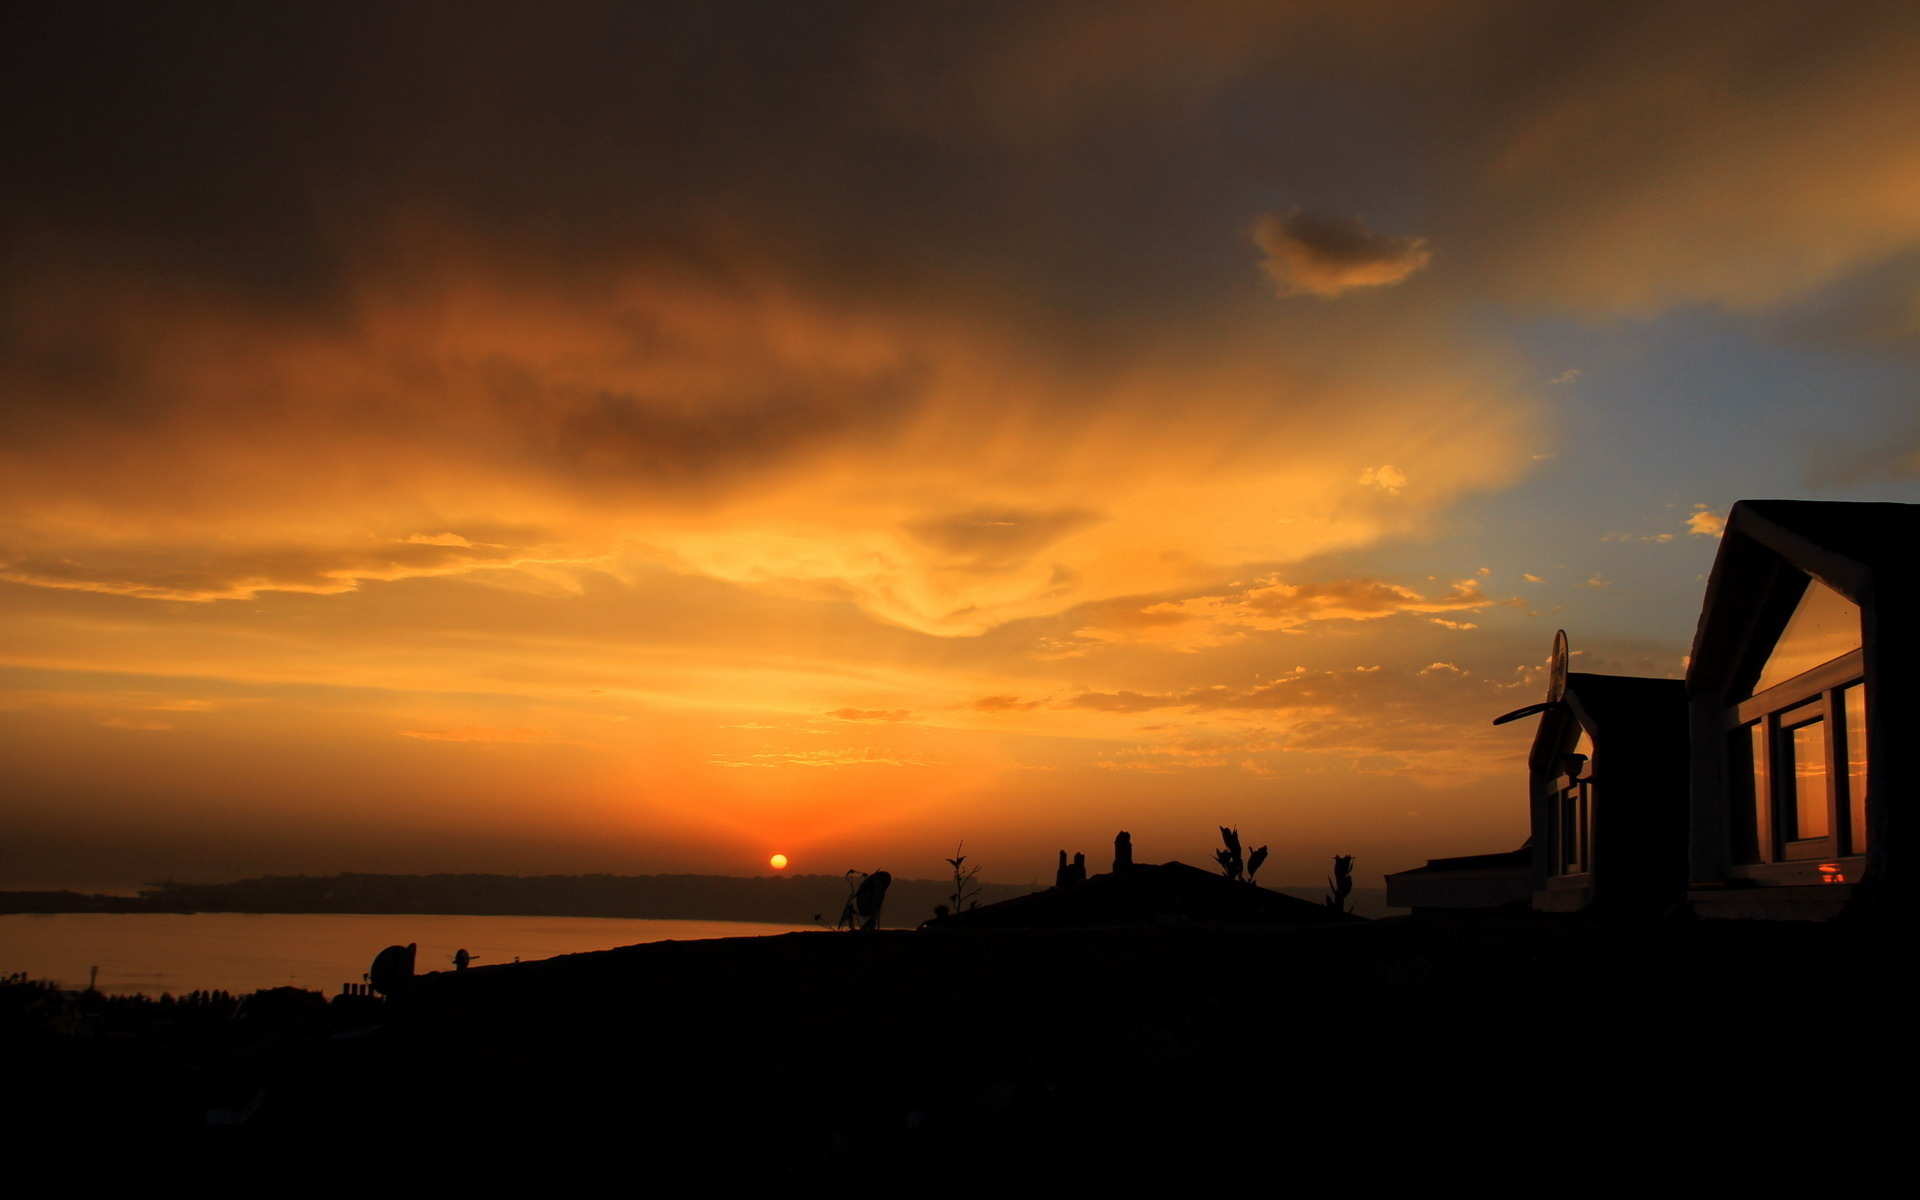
1853	548
1618	710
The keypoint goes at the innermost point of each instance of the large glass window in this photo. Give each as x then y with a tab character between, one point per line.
1824	626
1800	740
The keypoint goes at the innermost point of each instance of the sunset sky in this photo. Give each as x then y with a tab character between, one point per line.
648	437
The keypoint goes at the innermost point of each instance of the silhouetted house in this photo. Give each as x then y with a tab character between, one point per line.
1147	894
1756	788
1607	807
1607	779
1468	883
1795	686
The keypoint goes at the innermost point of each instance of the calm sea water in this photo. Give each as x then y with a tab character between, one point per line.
239	952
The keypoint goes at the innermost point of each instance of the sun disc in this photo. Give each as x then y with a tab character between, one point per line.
778	862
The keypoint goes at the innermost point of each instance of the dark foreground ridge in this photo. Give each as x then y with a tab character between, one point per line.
1345	1052
1145	894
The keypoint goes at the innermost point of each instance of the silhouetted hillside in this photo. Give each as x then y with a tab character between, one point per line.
69	902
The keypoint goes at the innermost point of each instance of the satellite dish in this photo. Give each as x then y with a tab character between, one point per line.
1557	668
1528	711
393	968
1556	682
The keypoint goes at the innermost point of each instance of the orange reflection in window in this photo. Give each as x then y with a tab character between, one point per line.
1831	873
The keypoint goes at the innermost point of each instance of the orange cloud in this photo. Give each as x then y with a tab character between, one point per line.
1274	605
999	704
857	714
1706	524
671	435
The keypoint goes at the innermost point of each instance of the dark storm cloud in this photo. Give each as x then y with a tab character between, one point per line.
1308	254
485	259
278	152
606	439
264	144
265	148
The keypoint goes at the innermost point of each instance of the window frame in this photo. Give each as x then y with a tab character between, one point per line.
1572	824
1815	694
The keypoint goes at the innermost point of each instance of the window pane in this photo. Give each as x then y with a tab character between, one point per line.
1808	747
1856	717
1762	762
1823	627
1570	831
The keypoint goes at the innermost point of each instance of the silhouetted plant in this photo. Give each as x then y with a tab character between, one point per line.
965	890
1231	864
1341	885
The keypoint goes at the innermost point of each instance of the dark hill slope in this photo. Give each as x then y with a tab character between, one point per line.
1350	1052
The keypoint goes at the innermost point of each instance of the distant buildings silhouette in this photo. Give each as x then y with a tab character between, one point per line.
1142	894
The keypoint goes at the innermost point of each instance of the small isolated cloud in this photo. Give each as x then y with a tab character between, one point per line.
1570	375
1003	704
1530	578
870	714
1706	523
1595	582
1312	255
1389	479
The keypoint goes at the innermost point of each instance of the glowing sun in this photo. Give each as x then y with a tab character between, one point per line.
778	862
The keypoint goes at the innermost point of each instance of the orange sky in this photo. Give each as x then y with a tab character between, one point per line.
646	438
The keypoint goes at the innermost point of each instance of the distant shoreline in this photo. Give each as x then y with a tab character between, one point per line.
765	899
791	900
